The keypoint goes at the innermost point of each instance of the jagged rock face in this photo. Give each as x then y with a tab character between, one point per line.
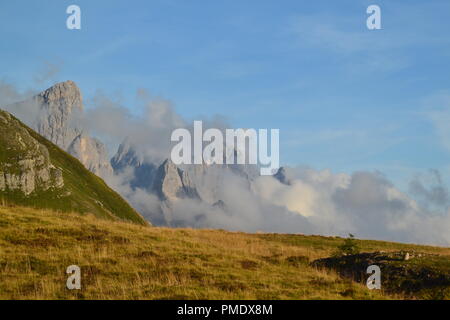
92	153
282	176
209	179
59	104
25	163
143	173
125	156
199	185
168	182
60	108
172	183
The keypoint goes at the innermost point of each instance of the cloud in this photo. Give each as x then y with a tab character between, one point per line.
144	202
9	93
149	131
364	203
243	210
430	190
11	100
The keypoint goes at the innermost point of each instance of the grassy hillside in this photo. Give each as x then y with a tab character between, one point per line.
126	261
82	191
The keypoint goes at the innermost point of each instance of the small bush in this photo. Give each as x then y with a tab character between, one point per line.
349	247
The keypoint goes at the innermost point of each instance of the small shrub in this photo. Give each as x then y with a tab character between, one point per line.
349	247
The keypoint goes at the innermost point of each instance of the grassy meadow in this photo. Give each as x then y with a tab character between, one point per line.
121	260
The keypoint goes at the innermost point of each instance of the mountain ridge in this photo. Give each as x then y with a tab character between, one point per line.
58	111
35	172
159	189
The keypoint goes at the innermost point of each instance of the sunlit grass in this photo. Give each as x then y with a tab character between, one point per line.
126	261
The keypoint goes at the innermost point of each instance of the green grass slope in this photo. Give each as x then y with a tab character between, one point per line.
121	260
82	192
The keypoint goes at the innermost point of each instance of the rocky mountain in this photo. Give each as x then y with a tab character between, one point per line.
171	183
92	153
59	105
35	172
281	176
59	109
143	172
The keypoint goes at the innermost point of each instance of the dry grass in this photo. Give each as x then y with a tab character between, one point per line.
126	261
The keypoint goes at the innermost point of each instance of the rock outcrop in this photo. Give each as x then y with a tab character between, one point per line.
25	164
426	273
171	183
92	153
281	176
60	109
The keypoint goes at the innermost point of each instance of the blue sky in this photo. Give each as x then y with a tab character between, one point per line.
343	97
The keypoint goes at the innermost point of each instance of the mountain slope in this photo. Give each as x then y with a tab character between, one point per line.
35	172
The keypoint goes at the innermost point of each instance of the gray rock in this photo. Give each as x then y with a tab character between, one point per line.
60	105
282	176
126	156
58	120
172	183
143	173
25	164
92	153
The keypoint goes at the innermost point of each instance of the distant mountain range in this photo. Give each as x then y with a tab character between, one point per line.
59	109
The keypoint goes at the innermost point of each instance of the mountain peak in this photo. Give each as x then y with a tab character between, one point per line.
125	156
171	182
63	90
281	176
58	104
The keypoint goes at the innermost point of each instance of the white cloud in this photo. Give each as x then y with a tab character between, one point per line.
363	203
